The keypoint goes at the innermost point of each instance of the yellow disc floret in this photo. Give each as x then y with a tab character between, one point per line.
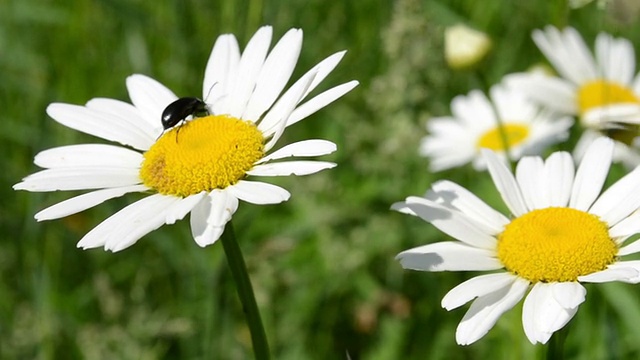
556	245
600	93
514	133
206	153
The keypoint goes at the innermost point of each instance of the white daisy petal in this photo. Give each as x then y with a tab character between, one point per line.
591	174
569	295
475	107
438	146
549	132
629	267
89	155
272	121
603	51
627	273
557	94
279	114
476	287
631	248
558	177
98	123
202	233
275	74
563	50
142	222
448	256
287	168
128	113
249	68
604	117
149	96
453	223
486	310
617	58
221	70
550	43
585	140
454	196
211	215
528	174
583	62
136	219
323	69
259	193
443	125
183	207
511	105
78	179
505	183
403	207
320	101
626	227
441	163
302	148
542	314
619	200
85	201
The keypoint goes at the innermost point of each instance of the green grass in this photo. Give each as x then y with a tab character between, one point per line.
322	264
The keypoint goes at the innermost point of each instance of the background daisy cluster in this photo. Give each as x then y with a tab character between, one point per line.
322	263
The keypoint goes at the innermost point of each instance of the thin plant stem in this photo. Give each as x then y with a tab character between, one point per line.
555	349
504	138
245	292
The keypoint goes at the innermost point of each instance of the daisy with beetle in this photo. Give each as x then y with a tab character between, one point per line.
224	140
205	173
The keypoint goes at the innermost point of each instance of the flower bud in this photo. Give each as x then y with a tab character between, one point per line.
464	46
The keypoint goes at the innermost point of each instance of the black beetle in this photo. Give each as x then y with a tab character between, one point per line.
178	110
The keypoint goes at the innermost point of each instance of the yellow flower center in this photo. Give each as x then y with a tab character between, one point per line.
203	154
599	93
556	245
492	139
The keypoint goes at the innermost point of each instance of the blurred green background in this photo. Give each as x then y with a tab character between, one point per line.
322	264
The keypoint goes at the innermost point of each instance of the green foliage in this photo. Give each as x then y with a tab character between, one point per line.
323	263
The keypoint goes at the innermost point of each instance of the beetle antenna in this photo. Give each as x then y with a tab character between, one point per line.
209	92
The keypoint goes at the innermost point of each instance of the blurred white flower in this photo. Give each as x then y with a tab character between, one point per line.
604	91
457	140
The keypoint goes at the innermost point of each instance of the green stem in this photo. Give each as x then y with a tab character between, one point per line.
555	349
499	122
504	137
245	292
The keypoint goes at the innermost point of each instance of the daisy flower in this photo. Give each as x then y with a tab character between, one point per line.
464	46
200	166
457	140
600	90
604	92
563	233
